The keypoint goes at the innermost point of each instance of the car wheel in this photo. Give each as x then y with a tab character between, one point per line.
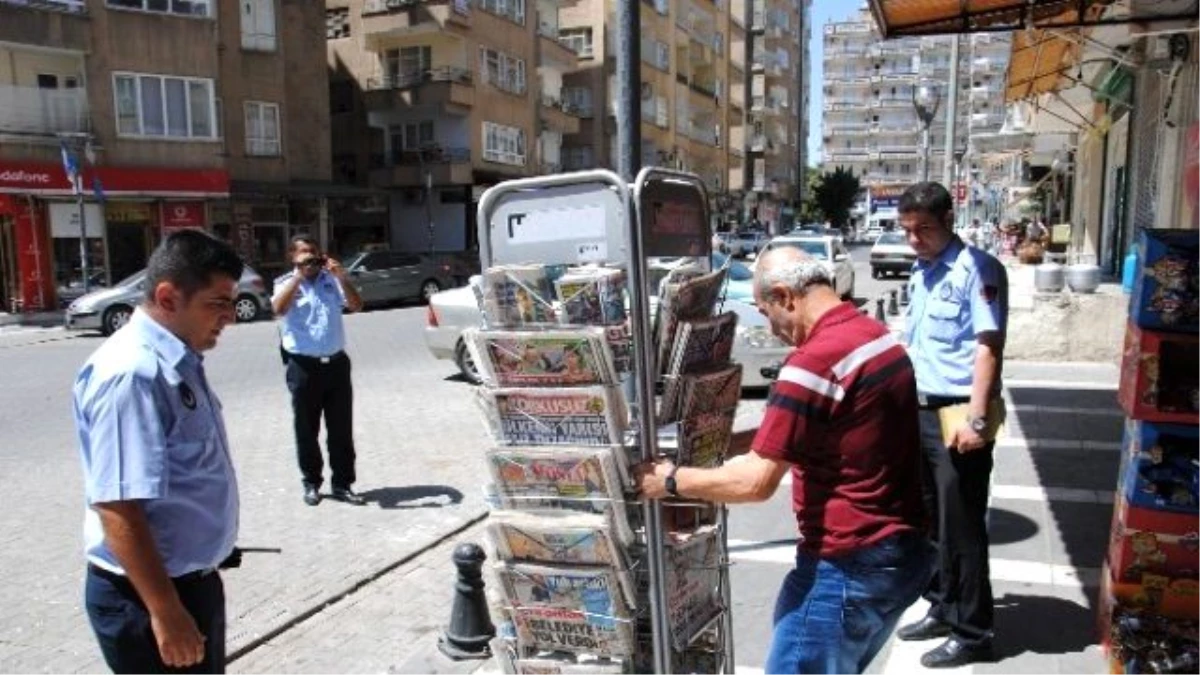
428	288
466	364
115	317
245	308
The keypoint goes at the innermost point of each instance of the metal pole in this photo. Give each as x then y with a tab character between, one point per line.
925	153
629	85
83	245
801	140
951	114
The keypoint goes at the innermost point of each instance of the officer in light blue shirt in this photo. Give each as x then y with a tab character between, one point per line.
955	330
162	496
309	303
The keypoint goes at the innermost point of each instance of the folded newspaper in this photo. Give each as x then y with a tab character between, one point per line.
518	295
528	358
572	609
592	296
593	415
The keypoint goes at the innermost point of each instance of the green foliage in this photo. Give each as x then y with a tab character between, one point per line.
834	196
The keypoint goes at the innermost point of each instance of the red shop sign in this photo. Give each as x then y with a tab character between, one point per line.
48	178
177	215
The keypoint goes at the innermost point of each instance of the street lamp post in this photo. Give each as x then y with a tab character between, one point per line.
926	98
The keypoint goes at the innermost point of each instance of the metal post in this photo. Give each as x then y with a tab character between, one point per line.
951	113
925	153
629	84
802	141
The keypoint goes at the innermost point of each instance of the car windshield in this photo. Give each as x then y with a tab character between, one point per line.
132	279
737	271
892	238
813	247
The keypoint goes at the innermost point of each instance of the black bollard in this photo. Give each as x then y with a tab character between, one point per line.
904	294
471	626
893	308
879	315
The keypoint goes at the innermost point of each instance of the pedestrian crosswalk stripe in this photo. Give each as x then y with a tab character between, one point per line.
1052	494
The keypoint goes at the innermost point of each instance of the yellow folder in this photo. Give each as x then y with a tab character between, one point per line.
954	417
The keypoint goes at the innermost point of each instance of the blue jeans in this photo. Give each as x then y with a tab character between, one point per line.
834	614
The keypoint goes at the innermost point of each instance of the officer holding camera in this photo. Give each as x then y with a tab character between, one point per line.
309	301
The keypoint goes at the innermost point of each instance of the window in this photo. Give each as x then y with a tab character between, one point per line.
662	55
506	73
578	40
337	23
258	25
663	7
184	7
407	64
513	10
164	107
579	99
262	129
412	135
503	144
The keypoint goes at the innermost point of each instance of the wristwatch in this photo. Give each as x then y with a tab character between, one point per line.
977	424
669	483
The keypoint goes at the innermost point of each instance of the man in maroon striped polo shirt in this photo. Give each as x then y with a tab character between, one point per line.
842	417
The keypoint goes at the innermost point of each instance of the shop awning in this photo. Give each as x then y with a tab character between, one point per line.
898	18
50	180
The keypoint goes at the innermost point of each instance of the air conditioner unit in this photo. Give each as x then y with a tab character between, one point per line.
374	6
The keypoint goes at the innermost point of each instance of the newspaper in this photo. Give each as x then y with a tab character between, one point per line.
585	480
573	609
517	295
699	344
693	298
710	391
704	439
592	415
620	345
550	665
543	358
693	586
592	296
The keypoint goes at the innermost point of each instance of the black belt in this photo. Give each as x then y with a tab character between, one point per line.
316	360
931	402
196	575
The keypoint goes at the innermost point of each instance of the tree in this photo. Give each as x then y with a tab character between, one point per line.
807	212
834	195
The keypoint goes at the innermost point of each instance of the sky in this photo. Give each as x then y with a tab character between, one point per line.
823	11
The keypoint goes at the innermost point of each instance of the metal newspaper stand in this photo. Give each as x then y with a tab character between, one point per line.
595	217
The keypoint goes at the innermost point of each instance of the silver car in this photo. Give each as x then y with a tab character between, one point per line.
107	309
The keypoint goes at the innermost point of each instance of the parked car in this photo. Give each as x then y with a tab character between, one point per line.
385	277
832	251
871	234
739	281
107	309
452	312
73	289
722	241
892	254
743	244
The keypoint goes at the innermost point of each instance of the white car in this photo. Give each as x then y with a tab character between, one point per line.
830	250
892	254
452	312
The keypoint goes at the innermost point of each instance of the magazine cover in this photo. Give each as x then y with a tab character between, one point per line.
517	295
586	480
573	609
549	665
711	391
693	298
555	416
543	358
592	296
570	538
620	345
699	344
704	439
693	586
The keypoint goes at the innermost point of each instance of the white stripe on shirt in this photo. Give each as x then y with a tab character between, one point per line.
813	382
855	359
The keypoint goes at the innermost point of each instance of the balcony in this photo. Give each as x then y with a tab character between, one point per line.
385	20
68	6
445	166
889	102
449	87
46	23
34	111
555	115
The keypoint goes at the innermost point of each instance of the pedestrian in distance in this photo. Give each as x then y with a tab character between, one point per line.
309	302
842	418
162	498
955	332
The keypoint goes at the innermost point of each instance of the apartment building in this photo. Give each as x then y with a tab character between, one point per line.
870	125
434	100
183	114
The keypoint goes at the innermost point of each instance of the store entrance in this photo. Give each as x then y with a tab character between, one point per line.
128	248
9	274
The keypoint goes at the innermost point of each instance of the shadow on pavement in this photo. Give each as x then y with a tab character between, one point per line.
1007	527
1022	623
413	497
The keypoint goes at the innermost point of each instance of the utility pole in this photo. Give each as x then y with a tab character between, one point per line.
71	166
951	117
629	85
801	114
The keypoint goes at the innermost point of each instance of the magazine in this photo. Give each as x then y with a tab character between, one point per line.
571	538
543	358
710	391
549	665
592	415
592	296
693	586
692	298
517	295
699	344
585	480
704	439
567	608
620	345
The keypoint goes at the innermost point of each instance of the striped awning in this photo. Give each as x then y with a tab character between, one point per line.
898	18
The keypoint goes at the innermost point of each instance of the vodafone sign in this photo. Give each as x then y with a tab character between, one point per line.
44	178
181	215
32	179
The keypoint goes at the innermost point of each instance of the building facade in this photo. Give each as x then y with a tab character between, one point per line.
190	114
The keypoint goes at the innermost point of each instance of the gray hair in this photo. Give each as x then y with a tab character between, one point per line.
797	273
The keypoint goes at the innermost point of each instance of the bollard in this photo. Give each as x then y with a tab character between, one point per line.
904	295
879	315
471	627
893	308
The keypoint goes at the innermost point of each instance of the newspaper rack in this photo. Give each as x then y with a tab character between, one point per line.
595	217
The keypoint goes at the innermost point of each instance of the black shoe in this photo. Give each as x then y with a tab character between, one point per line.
954	653
928	628
312	497
349	496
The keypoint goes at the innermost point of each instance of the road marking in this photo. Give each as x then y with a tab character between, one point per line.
1023	443
1060	385
1052	494
1064	410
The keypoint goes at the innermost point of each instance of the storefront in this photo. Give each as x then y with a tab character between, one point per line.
41	228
